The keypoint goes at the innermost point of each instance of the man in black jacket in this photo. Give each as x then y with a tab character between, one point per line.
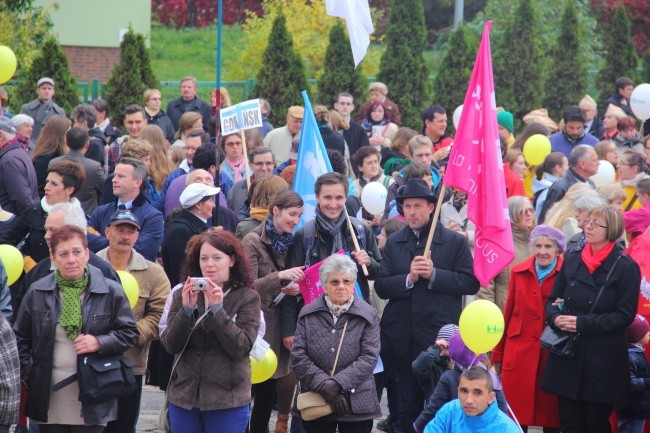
188	102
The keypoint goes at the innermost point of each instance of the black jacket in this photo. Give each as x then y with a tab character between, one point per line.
176	108
96	150
163	122
599	372
106	315
178	233
559	189
412	318
637	404
32	223
332	140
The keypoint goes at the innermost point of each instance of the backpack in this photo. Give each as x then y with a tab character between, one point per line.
309	234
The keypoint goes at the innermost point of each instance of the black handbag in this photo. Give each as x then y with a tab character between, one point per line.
563	343
102	378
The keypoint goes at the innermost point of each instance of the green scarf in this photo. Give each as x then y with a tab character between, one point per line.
71	318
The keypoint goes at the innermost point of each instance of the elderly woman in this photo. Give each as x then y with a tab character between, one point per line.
267	246
595	295
210	389
519	356
24	125
574	226
335	319
73	311
63	181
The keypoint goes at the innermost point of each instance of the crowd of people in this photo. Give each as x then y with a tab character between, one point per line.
210	237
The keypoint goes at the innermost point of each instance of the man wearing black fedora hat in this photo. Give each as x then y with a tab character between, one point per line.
424	293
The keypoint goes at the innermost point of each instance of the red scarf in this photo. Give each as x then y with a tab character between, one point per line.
593	260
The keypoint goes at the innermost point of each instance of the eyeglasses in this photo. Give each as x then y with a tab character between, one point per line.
589	222
528	211
234	143
346	282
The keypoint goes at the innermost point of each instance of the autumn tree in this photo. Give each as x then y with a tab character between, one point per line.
339	73
282	76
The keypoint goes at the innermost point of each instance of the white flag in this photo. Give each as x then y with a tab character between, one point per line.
356	14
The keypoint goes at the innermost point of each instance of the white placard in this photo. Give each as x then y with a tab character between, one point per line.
245	115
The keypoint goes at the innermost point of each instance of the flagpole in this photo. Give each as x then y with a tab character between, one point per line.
245	151
354	239
436	215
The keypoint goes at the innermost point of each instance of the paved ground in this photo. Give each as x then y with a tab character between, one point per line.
152	399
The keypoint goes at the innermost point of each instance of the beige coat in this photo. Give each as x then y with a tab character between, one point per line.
267	284
154	289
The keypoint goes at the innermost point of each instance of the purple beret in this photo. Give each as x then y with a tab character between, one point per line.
551	233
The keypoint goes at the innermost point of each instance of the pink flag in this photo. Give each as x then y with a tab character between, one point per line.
475	166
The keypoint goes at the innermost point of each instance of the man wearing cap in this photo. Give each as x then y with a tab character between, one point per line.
423	293
122	232
128	184
378	92
18	183
197	203
279	140
188	101
506	123
41	108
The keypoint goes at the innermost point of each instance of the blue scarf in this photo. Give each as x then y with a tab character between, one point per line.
543	272
279	242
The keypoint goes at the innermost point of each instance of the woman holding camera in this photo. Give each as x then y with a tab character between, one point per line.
211	328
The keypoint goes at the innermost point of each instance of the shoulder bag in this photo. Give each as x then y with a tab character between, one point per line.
311	404
563	343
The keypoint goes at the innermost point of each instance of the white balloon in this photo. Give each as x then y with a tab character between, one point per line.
605	175
373	198
456	116
640	101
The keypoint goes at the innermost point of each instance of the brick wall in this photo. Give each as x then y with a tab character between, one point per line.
88	63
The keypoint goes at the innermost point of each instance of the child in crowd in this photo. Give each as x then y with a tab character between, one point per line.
433	362
633	412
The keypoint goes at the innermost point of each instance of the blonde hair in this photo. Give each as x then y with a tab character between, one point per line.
615	111
187	120
612	192
136	148
265	188
175	155
149	93
564	208
160	165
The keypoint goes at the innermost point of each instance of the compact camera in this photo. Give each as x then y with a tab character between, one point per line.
199	284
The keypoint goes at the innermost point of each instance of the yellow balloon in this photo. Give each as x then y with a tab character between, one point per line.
262	371
8	64
481	326
536	148
130	286
12	259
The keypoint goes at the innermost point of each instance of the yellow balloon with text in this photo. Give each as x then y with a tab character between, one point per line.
12	259
8	64
536	148
481	326
130	286
263	370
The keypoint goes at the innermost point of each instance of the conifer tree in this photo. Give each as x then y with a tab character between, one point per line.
620	59
566	82
518	63
402	67
452	80
339	73
646	66
282	76
50	62
146	72
126	84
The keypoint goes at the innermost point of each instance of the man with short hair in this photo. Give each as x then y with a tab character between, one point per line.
583	163
424	293
434	126
122	232
41	108
573	133
85	116
128	184
104	122
379	92
78	143
135	119
266	127
355	136
188	101
18	182
475	410
279	140
261	161
621	96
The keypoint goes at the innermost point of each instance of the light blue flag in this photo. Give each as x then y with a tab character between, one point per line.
312	161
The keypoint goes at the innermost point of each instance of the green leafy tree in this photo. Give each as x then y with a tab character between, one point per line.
450	85
402	66
646	66
127	82
566	82
282	76
50	62
518	62
620	57
339	73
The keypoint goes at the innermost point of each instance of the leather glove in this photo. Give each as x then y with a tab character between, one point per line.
330	389
339	405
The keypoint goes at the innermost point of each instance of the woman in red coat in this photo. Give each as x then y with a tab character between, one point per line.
519	356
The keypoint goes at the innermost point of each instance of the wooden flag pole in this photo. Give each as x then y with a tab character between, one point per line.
436	215
354	239
244	150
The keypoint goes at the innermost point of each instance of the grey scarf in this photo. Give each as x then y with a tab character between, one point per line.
334	229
